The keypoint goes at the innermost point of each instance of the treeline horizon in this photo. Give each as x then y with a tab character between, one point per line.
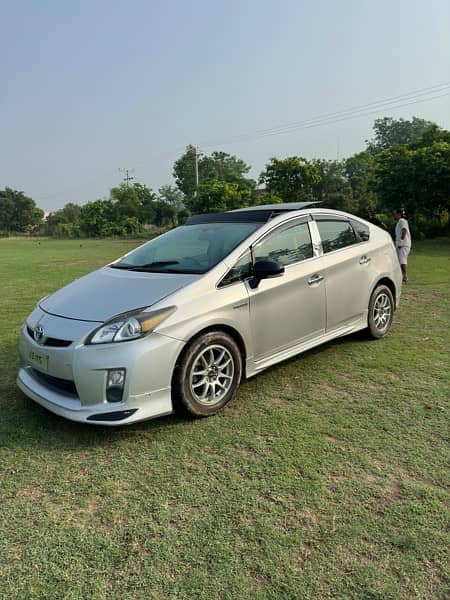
406	164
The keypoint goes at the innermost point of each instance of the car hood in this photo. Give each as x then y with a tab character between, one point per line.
108	292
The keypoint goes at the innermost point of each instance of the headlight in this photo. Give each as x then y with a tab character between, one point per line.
129	326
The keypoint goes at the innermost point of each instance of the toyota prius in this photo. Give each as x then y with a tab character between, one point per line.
180	321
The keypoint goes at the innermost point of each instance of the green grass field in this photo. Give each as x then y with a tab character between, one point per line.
326	477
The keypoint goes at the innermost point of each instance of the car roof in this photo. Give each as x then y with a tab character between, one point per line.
259	214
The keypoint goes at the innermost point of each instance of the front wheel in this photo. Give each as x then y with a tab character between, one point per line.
208	374
381	312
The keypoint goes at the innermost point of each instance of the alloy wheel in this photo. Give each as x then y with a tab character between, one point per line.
211	374
382	310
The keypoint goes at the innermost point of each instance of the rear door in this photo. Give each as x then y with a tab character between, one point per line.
288	309
346	268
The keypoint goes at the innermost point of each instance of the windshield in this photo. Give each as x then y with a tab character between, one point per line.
187	249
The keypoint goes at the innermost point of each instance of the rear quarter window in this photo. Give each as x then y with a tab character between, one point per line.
336	234
362	231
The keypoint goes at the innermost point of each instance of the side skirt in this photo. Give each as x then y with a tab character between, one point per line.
253	367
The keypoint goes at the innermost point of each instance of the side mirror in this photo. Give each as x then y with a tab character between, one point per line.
263	269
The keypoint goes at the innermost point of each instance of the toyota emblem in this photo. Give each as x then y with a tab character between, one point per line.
39	333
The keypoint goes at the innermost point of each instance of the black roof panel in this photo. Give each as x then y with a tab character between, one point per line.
282	207
259	214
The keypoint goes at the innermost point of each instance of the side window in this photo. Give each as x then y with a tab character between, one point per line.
240	270
362	231
287	245
336	235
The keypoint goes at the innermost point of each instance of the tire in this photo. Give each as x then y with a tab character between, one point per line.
207	375
381	312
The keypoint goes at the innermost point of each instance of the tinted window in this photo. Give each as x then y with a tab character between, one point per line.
287	245
336	235
362	231
188	249
240	270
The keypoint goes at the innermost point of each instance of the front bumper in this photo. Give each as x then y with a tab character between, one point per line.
71	381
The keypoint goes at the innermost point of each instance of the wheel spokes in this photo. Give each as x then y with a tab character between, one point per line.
382	310
211	375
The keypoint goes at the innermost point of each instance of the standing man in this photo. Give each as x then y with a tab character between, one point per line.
370	216
402	241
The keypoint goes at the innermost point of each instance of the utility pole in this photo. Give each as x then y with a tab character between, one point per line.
197	154
127	177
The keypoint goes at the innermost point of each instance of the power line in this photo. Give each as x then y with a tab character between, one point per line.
344	118
392	103
418	96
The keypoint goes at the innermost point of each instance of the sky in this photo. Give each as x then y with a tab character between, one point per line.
94	86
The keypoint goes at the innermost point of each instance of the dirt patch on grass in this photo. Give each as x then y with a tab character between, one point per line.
277	401
398	475
249	521
15	552
392	375
325	389
83	515
32	492
337	481
393	490
303	557
248	452
309	517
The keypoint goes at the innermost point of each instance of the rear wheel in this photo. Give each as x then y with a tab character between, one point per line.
208	374
381	312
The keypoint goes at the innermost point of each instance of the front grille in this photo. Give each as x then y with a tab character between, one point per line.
54	342
66	386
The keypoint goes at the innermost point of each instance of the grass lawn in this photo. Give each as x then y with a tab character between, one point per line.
326	477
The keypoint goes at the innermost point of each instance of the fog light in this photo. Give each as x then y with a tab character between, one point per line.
114	385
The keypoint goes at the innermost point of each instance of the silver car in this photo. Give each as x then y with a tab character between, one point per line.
182	319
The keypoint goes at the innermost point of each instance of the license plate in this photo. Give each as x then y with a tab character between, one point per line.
39	360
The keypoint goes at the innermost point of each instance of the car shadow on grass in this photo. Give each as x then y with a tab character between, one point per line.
26	424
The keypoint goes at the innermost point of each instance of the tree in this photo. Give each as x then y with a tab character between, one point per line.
125	200
415	178
97	219
432	177
146	200
333	188
219	196
292	179
184	172
172	196
263	197
359	171
137	201
392	132
165	215
64	222
18	212
395	178
219	166
174	200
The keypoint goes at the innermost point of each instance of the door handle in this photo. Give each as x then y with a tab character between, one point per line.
364	260
315	279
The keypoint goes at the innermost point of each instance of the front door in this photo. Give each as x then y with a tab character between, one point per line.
288	309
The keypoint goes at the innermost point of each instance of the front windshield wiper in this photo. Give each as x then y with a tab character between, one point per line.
146	266
157	266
